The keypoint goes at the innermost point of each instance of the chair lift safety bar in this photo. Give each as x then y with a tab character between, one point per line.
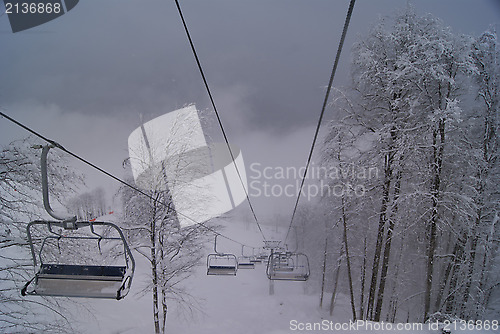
75	280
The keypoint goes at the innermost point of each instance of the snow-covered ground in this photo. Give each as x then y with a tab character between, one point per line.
227	304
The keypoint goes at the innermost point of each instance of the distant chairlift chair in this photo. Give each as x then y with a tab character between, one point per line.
254	258
221	263
288	266
245	262
75	280
263	257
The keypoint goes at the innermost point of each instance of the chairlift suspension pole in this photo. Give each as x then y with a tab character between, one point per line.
45	187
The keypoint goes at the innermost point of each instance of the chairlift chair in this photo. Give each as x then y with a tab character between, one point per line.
288	266
283	262
221	263
59	278
245	262
55	278
272	244
254	258
263	257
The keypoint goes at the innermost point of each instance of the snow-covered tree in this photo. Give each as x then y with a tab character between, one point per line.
483	142
405	114
21	201
88	205
171	250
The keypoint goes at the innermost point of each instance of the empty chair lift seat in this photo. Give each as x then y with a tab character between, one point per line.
255	260
245	263
282	269
288	267
218	264
289	275
80	281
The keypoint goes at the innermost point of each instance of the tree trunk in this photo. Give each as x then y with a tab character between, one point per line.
430	260
450	301
380	237
438	148
336	280
489	255
383	274
447	273
154	272
324	272
164	309
348	261
162	245
393	304
363	282
470	275
156	311
387	249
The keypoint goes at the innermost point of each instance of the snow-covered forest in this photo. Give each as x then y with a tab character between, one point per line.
423	109
412	237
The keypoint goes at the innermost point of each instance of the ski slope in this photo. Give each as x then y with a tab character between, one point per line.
228	304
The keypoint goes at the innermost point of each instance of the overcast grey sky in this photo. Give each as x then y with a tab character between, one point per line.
83	79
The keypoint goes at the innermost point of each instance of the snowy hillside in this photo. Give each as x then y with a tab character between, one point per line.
226	304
